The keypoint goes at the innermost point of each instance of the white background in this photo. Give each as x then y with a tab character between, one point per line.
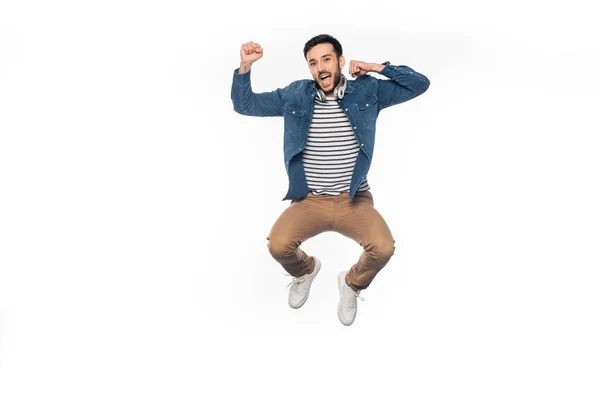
135	205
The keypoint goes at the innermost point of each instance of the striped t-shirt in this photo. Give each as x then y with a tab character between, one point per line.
331	151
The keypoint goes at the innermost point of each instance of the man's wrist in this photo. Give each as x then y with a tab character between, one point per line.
244	68
377	67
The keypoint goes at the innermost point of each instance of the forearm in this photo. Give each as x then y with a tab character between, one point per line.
376	67
403	84
404	76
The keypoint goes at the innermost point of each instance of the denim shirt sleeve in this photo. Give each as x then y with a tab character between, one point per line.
404	84
246	102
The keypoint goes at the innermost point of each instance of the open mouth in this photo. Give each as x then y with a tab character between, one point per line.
325	79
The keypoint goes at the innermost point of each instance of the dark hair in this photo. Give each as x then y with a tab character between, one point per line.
323	38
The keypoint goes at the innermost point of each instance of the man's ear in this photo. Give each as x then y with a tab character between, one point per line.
342	62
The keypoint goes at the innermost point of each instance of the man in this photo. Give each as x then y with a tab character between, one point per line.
329	136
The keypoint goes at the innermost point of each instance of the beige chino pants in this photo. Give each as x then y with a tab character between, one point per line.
357	219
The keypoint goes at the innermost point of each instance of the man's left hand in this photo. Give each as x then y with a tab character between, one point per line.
358	68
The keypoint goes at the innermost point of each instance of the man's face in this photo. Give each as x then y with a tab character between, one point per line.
325	67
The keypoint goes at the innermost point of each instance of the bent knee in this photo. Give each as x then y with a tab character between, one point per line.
384	249
280	246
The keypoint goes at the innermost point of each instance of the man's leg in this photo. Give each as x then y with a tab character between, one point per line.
360	221
302	220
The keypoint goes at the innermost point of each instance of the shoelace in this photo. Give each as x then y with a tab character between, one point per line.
296	281
349	298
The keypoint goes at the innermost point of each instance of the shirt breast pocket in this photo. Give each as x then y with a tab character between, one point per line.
367	110
293	117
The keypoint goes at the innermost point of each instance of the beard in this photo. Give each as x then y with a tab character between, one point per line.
337	76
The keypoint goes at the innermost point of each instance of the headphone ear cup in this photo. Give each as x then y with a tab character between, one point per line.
338	92
321	95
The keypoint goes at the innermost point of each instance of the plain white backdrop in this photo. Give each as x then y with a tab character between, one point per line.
135	205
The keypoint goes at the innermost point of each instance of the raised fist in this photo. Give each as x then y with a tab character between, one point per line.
250	52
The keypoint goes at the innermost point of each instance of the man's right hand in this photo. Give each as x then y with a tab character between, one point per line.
249	53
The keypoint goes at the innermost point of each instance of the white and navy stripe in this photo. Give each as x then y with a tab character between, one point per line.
331	151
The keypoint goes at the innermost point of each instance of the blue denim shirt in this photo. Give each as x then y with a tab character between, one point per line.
364	98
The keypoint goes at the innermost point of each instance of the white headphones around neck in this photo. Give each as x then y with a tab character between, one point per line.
338	92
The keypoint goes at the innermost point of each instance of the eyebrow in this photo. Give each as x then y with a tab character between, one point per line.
328	54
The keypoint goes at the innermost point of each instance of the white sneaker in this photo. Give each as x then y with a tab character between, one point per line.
347	304
301	287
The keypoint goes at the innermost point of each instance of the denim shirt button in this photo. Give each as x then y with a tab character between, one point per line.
354	127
